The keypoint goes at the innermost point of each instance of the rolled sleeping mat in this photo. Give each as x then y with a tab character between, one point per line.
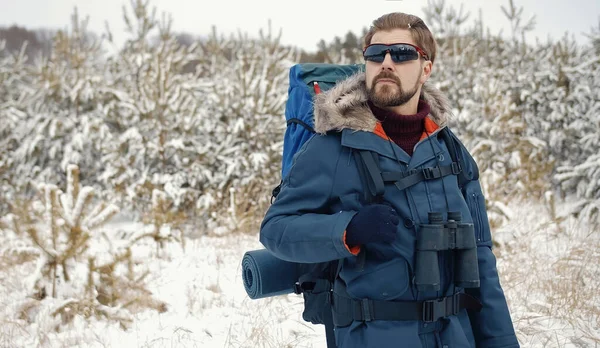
265	275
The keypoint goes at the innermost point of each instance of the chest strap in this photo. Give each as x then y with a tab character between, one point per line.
374	180
403	180
346	310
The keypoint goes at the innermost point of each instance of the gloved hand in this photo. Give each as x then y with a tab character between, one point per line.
372	223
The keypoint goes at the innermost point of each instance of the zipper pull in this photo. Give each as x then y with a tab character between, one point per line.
316	87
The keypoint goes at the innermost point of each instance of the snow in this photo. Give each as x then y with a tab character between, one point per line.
208	306
100	214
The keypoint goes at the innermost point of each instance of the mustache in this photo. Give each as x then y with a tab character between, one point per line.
386	75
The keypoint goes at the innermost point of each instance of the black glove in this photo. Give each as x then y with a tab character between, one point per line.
372	223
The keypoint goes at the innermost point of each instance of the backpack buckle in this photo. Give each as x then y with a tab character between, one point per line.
456	304
432	173
433	310
427	174
441	308
456	168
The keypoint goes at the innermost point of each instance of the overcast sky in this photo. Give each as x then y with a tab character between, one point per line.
303	22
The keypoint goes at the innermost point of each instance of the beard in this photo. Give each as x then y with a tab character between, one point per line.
390	95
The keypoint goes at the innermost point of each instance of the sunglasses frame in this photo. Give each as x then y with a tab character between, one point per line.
417	48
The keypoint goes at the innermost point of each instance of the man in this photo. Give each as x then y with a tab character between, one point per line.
382	297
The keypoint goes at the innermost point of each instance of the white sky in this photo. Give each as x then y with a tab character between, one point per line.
303	22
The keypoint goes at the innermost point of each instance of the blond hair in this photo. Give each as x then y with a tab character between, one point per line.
398	20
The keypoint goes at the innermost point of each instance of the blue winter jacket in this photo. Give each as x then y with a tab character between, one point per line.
321	194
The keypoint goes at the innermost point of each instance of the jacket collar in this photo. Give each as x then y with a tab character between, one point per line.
373	142
345	106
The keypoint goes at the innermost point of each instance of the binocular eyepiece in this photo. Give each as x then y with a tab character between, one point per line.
437	236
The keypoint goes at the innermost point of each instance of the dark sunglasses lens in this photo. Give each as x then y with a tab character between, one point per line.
398	53
403	53
376	53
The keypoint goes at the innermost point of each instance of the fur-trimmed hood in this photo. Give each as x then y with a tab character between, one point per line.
345	106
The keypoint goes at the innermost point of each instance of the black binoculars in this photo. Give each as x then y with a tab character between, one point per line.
439	236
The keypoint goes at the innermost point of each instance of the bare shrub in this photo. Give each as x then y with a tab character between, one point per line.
79	272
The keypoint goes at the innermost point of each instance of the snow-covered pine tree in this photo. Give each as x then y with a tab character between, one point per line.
13	98
245	124
155	112
576	138
61	124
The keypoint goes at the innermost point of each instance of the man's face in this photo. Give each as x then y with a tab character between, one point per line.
393	84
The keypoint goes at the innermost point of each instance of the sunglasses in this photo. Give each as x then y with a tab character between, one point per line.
399	52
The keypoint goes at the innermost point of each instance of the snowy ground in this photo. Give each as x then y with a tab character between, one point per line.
551	280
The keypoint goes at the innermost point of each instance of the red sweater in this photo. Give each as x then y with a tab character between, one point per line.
404	130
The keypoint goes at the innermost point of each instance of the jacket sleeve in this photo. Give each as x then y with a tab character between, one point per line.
492	326
299	226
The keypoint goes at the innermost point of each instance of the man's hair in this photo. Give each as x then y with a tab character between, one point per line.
398	20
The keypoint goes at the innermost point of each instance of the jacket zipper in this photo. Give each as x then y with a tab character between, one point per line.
476	208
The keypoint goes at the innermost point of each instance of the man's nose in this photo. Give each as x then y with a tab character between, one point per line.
388	63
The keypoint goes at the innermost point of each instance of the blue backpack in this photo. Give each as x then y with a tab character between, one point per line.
305	81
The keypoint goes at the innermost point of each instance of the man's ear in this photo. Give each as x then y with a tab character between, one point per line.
427	68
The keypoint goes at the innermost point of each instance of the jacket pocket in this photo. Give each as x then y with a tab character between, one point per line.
379	281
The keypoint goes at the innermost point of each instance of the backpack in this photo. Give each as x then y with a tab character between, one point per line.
305	81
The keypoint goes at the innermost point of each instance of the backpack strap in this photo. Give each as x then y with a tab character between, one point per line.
464	168
329	326
370	175
403	180
454	147
317	90
301	123
367	163
374	179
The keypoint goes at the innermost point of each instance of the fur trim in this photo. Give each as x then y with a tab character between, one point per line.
345	106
